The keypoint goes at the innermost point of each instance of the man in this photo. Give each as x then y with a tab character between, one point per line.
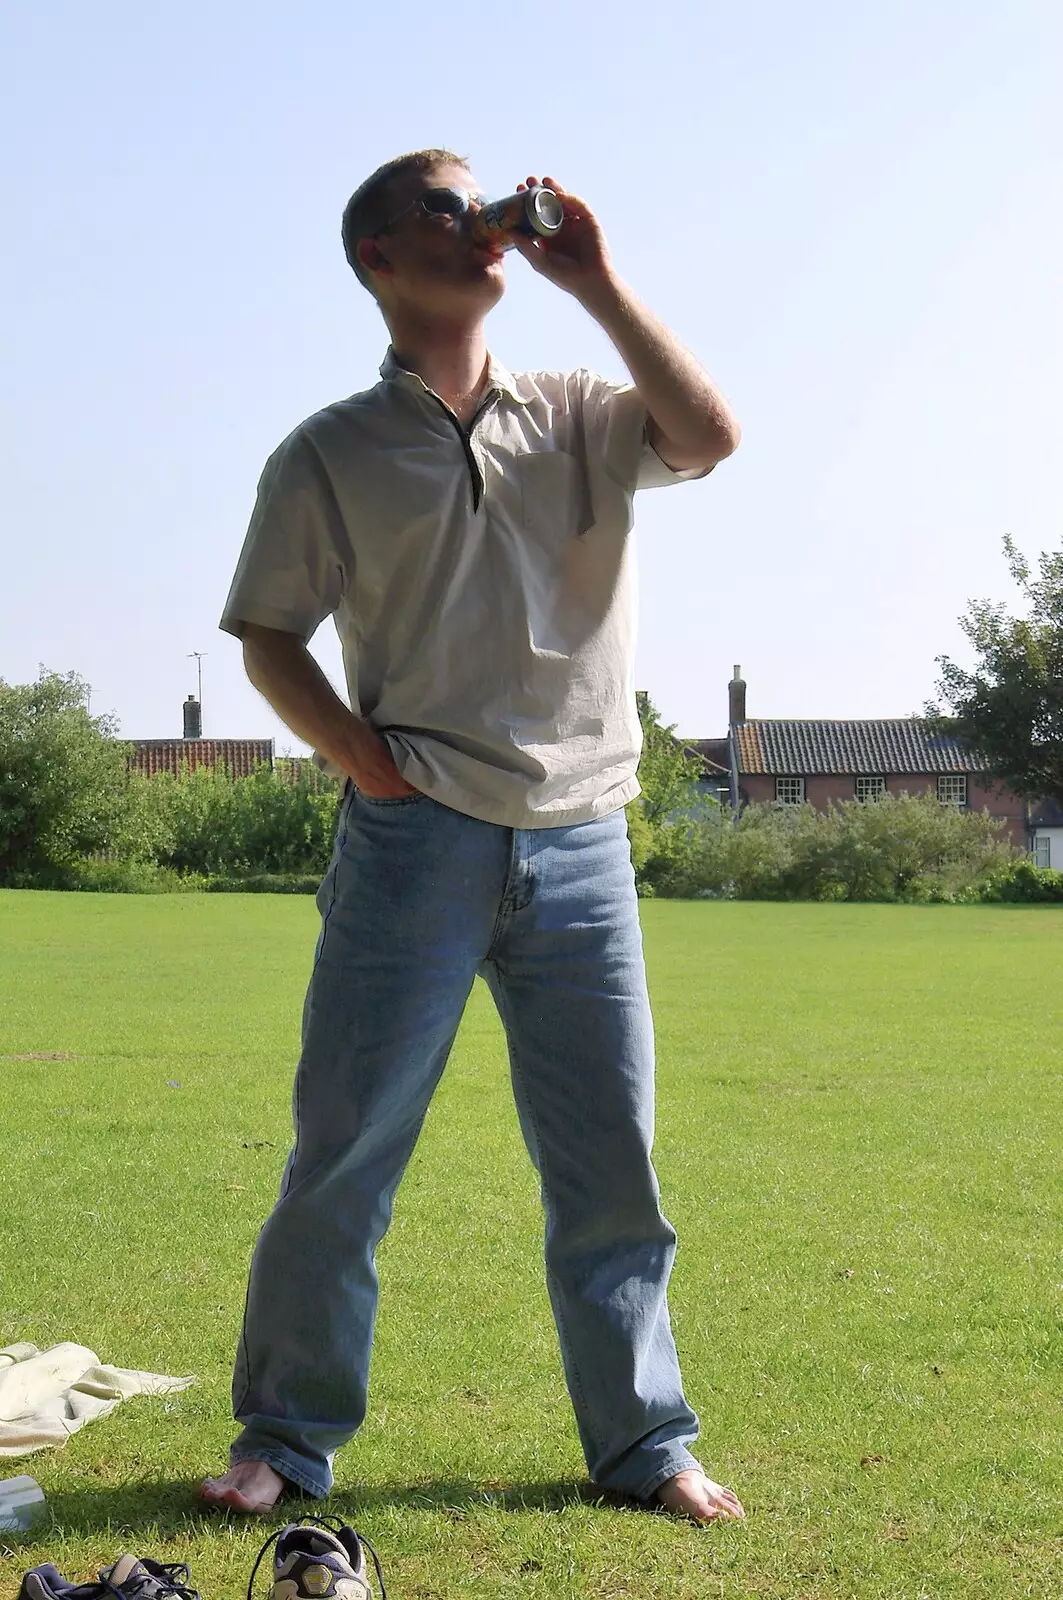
468	530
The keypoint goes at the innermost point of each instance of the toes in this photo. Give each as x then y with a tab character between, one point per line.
219	1494
233	1500
724	1502
696	1496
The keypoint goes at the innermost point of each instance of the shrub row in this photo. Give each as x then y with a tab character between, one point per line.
899	848
97	876
205	830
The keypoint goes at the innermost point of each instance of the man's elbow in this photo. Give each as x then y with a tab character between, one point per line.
717	443
708	441
727	438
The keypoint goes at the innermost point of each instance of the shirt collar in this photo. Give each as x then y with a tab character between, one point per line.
498	377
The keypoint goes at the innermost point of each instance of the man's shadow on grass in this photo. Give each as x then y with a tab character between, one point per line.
167	1508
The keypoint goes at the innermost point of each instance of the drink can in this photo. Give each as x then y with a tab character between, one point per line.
22	1504
536	211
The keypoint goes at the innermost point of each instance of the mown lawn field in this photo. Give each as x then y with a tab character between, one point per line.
859	1139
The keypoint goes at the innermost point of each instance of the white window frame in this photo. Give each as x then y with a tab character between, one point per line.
869	786
952	789
1042	850
796	791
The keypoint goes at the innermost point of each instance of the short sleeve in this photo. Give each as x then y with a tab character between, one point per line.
296	562
615	428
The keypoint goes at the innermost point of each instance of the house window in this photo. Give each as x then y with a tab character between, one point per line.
789	791
870	788
1042	850
952	788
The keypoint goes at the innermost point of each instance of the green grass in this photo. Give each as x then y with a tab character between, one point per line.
858	1140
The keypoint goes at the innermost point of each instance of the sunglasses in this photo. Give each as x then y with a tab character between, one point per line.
437	203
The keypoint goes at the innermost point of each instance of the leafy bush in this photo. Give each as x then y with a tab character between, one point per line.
898	848
1022	881
63	786
97	875
687	858
641	836
266	883
225	826
72	814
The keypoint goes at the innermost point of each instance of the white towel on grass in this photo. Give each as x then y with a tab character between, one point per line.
46	1395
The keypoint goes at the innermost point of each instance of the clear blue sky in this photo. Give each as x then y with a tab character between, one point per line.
851	213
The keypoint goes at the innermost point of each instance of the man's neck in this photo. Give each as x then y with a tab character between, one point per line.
450	359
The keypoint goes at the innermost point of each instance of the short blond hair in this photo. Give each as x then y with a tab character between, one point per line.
372	203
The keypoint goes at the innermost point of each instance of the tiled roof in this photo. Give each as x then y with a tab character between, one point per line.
872	748
712	753
240	756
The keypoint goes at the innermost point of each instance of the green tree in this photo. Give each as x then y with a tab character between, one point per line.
667	849
1010	707
668	773
63	788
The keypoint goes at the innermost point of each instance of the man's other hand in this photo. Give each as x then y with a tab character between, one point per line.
374	771
287	676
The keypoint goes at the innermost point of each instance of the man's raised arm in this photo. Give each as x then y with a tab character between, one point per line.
691	425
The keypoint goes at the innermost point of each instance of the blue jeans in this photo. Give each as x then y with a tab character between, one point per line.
417	900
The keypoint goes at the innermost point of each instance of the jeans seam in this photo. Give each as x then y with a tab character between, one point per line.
503	906
341	839
502	1002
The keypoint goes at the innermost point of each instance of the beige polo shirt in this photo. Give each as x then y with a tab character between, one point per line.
481	580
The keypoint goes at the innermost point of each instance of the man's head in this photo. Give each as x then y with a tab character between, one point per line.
411	256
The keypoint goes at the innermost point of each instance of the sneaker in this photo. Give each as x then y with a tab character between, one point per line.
315	1563
128	1579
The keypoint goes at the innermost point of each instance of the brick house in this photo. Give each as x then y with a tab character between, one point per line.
1046	834
789	761
239	756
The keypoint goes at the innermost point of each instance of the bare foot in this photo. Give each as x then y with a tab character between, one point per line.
692	1494
247	1486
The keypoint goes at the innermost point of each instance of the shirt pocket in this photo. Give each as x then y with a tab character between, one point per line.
555	495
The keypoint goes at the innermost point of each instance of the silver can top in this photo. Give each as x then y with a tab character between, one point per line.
545	211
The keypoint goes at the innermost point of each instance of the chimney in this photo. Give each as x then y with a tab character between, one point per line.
193	718
736	698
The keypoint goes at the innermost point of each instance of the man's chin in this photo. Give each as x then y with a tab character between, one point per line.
488	283
479	288
491	267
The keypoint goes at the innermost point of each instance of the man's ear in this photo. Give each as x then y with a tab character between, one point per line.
372	259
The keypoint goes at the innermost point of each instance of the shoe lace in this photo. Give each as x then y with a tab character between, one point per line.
171	1577
334	1525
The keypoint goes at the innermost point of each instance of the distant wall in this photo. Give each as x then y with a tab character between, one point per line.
1053	837
982	795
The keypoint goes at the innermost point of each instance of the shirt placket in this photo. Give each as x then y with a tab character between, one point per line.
466	436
